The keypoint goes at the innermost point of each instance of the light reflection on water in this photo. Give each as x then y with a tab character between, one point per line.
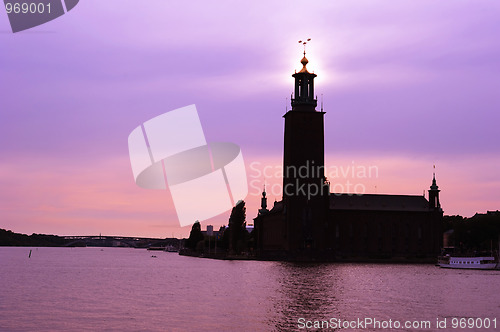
116	289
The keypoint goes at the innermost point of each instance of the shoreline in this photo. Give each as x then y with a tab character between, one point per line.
363	260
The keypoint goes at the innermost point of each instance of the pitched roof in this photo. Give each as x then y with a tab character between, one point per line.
377	202
278	206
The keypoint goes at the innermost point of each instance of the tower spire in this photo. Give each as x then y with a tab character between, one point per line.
263	201
304	43
434	193
304	60
434	185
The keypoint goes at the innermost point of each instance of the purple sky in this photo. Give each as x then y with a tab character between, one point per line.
406	84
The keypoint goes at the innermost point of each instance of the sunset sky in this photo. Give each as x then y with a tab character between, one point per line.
406	85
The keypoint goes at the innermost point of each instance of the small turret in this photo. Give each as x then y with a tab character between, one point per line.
263	202
434	195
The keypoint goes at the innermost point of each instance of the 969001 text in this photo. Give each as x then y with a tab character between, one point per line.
27	7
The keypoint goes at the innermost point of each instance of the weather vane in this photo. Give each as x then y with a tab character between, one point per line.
304	43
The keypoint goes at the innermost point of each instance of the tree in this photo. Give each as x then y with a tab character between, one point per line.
478	233
238	234
195	236
223	238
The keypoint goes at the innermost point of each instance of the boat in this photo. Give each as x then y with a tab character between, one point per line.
171	248
479	263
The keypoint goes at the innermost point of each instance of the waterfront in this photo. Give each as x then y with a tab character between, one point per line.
120	289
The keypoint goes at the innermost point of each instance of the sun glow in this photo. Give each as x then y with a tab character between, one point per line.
316	54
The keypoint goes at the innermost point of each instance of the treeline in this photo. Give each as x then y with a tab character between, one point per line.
9	238
478	233
234	239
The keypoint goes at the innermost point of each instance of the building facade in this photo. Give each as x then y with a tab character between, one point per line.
310	223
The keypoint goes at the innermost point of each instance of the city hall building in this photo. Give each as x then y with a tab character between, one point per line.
311	223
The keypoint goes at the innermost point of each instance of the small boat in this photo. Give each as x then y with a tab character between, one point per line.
171	248
479	263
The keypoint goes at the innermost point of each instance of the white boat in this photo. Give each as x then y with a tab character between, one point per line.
171	248
480	263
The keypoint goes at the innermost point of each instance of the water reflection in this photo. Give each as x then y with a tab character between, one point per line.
60	289
308	291
348	292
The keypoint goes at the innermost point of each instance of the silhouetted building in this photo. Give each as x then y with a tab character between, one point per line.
310	223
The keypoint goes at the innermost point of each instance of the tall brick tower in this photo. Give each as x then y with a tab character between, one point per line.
305	191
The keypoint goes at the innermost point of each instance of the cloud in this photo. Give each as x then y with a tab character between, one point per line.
414	80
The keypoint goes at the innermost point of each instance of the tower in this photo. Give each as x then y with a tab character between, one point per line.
305	193
263	202
434	195
436	215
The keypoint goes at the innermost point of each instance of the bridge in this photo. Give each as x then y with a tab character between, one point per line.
118	241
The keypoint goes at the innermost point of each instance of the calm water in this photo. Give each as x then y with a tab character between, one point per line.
116	289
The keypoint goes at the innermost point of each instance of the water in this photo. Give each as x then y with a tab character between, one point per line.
118	289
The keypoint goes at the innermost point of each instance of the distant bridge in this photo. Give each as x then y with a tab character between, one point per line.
118	241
